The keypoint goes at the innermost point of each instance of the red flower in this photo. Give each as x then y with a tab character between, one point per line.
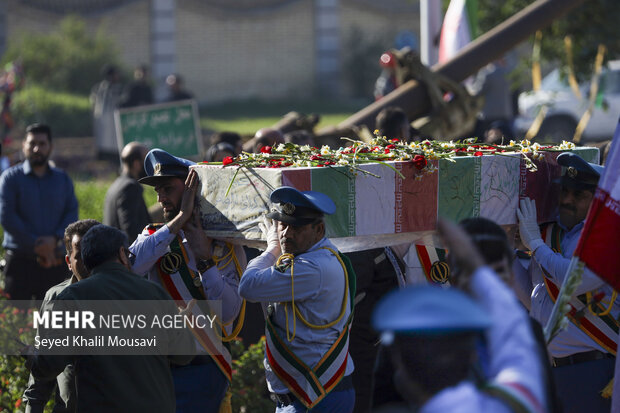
316	158
386	150
265	149
419	161
478	153
227	160
393	140
18	403
390	146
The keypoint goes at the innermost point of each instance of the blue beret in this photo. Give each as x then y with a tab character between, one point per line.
579	174
429	310
300	208
160	164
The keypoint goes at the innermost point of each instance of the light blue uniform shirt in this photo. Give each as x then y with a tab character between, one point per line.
217	284
319	289
513	355
571	340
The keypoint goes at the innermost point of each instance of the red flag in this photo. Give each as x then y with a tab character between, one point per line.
599	244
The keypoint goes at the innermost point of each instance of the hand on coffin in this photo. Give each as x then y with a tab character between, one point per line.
270	231
528	225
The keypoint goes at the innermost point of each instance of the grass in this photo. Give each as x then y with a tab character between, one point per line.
246	117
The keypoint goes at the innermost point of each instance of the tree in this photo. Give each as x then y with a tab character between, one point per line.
69	59
591	24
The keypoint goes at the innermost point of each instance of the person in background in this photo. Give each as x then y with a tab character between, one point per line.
263	137
219	151
104	98
124	207
432	335
232	138
392	123
175	89
138	92
300	137
38	392
37	202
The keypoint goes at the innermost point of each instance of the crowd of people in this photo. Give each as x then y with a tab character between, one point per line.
394	329
111	94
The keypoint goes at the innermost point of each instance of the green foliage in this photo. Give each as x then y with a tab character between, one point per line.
591	24
14	326
68	59
67	114
247	116
90	195
249	388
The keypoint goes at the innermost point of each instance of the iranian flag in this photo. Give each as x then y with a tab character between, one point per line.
460	26
599	244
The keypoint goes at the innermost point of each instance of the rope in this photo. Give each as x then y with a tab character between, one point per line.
297	313
232	256
614	295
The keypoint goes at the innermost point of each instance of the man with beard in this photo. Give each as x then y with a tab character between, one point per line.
37	202
39	391
189	265
124	206
583	353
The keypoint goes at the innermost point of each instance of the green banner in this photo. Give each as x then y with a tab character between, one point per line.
173	127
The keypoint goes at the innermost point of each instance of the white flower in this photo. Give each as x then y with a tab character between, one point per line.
325	150
280	147
305	148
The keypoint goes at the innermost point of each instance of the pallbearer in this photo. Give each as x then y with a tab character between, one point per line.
307	291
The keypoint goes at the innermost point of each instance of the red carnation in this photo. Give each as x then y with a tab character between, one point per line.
265	149
227	160
478	153
390	146
419	161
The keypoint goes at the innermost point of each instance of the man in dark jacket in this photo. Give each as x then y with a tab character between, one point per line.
124	206
111	383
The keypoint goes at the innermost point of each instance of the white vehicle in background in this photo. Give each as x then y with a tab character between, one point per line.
565	109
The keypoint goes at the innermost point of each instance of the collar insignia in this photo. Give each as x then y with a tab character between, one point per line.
440	272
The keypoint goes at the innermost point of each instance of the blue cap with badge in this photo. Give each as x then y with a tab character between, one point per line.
428	310
578	173
300	207
160	164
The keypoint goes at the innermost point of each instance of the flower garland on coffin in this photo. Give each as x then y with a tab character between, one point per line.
380	150
401	206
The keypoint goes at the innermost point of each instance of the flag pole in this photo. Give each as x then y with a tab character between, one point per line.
558	320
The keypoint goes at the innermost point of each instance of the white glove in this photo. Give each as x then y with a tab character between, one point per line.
528	227
270	231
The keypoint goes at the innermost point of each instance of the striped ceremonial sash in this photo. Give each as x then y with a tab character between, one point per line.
180	285
515	395
434	264
309	385
602	329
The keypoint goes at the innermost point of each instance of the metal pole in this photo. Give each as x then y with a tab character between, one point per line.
430	26
412	96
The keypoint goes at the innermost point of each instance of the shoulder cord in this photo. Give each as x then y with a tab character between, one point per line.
296	312
231	256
